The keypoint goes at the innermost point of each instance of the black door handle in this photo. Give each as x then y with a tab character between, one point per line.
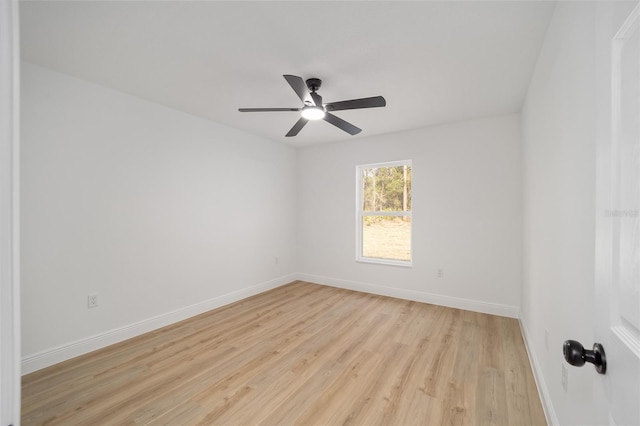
575	354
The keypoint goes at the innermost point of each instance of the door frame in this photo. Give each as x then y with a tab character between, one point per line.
9	214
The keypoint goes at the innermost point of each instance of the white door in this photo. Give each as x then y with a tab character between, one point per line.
618	229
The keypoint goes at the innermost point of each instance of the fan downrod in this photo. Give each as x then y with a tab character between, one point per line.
313	84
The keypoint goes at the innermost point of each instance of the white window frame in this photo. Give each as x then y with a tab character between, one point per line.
360	214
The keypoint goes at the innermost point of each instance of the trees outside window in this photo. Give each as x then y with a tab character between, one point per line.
383	207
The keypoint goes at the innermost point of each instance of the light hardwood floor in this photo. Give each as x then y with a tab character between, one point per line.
300	354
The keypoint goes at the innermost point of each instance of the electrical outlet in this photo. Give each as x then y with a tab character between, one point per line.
92	300
276	260
565	377
440	273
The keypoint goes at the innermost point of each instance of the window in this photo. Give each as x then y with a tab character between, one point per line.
383	213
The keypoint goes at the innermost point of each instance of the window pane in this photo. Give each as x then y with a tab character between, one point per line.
386	237
386	189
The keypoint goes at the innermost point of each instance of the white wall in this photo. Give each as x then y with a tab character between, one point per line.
565	102
160	213
165	215
466	214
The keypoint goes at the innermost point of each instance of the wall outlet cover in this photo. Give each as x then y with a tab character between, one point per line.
92	300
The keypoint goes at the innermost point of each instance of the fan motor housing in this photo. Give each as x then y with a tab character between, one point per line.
314	84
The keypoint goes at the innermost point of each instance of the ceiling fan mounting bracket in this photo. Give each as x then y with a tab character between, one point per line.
314	84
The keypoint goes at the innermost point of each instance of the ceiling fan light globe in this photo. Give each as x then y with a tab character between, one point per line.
313	113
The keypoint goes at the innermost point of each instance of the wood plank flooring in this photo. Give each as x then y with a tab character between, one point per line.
300	354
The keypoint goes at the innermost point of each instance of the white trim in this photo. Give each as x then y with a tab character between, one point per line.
394	163
34	362
628	24
37	361
627	338
418	296
383	261
9	214
394	214
543	391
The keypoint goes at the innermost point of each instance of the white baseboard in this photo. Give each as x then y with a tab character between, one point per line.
543	391
46	358
418	296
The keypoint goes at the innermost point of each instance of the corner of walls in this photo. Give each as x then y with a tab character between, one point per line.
417	296
145	206
560	118
67	351
536	367
466	214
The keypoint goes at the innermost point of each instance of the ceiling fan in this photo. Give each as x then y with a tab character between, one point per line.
314	109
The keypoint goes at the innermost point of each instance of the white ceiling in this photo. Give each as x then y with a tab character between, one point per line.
434	62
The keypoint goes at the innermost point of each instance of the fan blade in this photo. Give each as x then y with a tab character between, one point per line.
317	99
267	109
299	86
374	102
297	127
340	123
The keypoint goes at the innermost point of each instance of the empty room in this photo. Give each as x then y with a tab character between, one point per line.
319	213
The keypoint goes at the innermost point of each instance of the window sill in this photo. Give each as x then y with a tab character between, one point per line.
388	262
